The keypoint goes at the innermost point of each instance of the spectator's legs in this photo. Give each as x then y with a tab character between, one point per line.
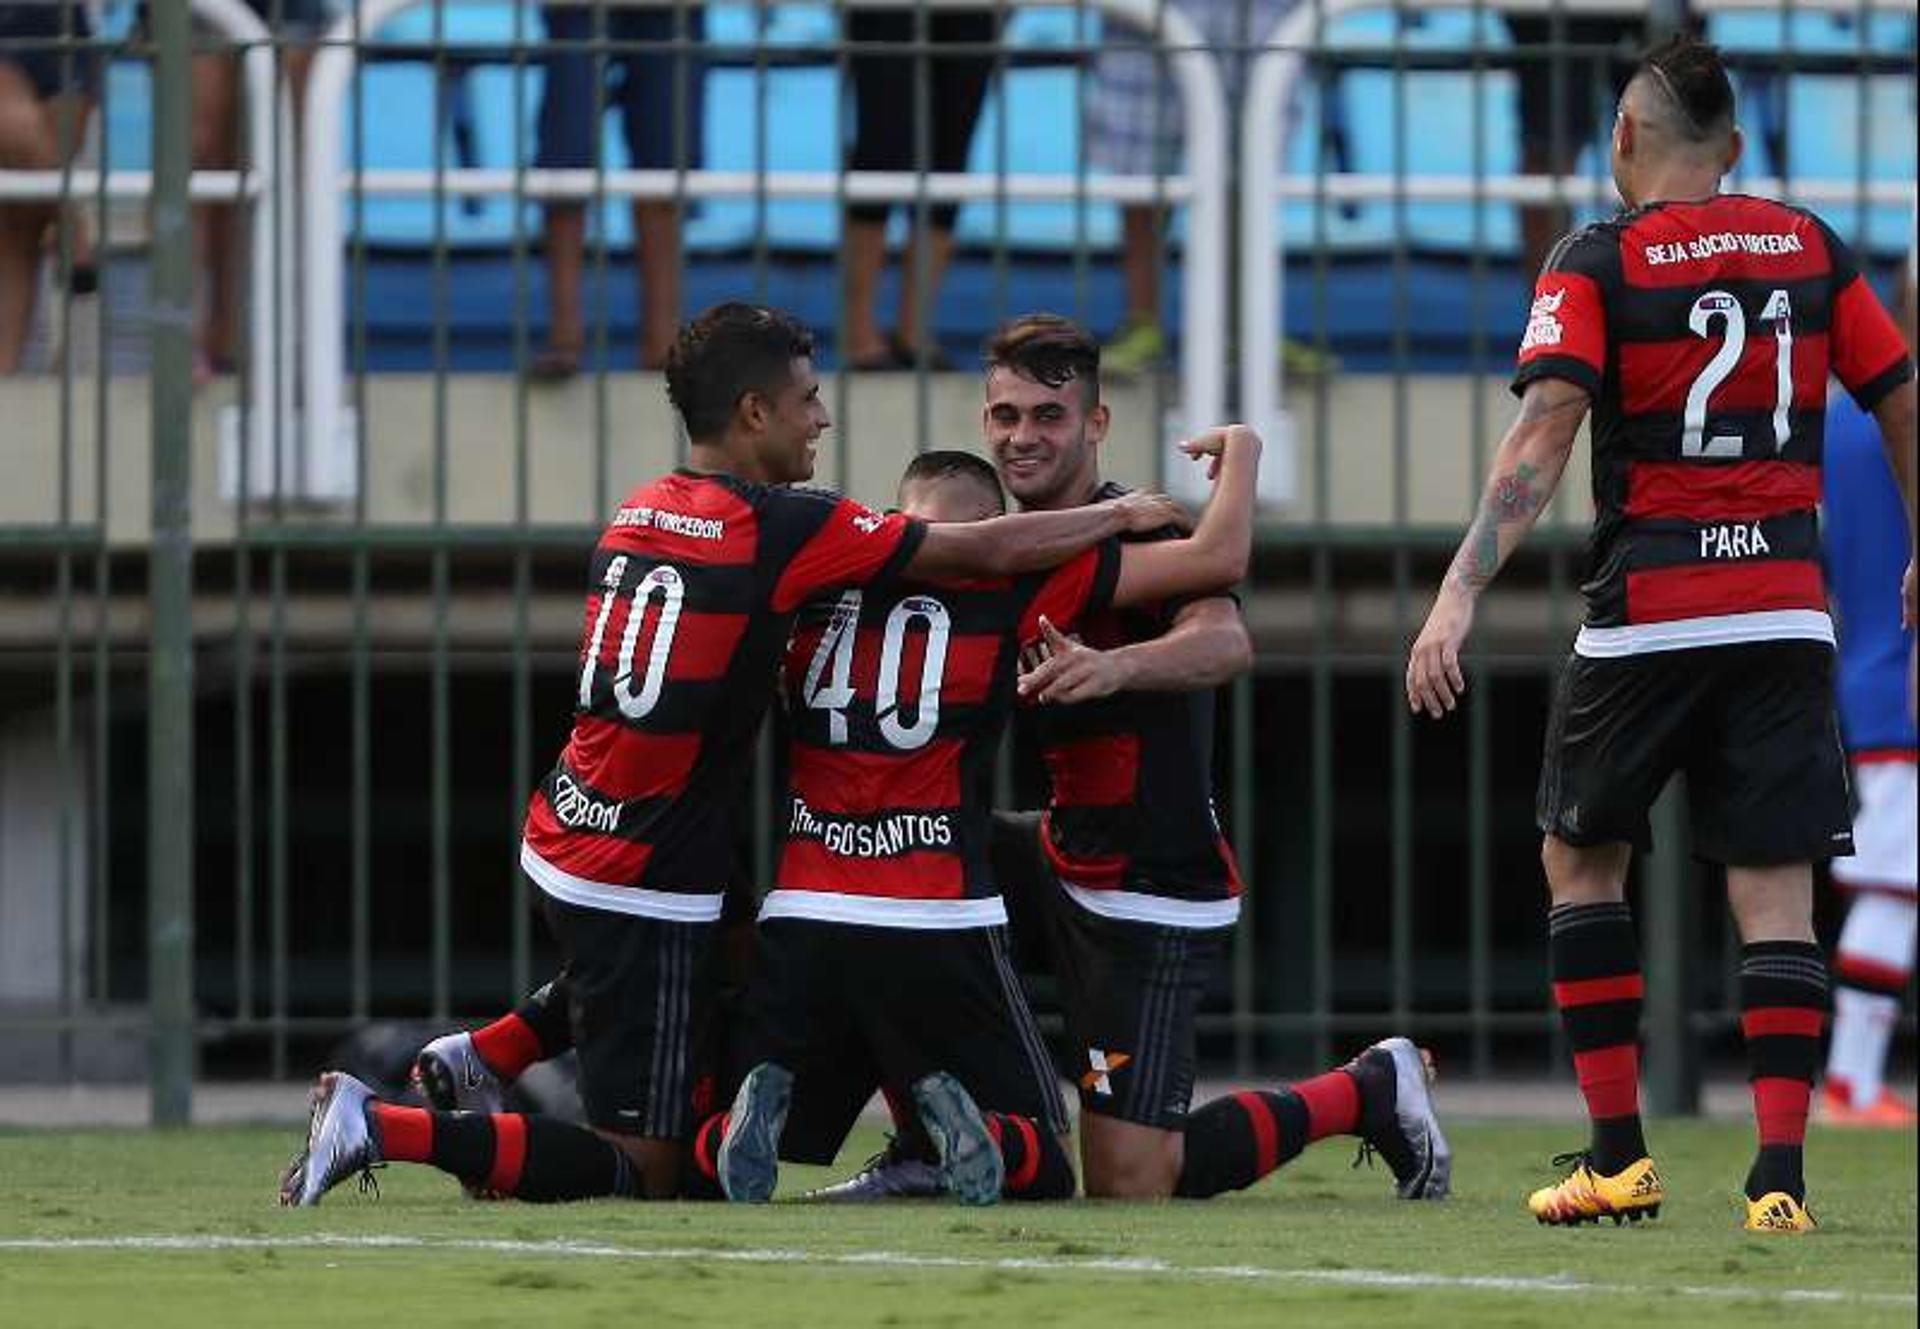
884	105
568	138
566	250
656	226
216	120
26	143
1140	263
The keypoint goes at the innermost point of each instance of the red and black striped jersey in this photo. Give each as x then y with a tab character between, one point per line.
694	587
1131	826
1706	333
896	703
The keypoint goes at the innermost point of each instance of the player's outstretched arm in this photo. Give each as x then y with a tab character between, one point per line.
1036	541
1894	413
1526	470
1215	556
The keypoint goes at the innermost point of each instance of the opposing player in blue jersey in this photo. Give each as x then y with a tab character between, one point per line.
1866	529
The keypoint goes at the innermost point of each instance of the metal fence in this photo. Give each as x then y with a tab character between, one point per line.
275	679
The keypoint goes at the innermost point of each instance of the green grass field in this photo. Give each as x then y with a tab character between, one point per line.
111	1228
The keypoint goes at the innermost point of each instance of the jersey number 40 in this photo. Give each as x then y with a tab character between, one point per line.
829	683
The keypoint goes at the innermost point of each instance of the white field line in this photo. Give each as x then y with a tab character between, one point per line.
1143	1265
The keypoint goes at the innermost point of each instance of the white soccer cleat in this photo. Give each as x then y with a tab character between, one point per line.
1398	1121
451	1076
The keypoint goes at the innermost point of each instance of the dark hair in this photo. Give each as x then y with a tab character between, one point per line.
1693	77
1048	349
948	464
726	352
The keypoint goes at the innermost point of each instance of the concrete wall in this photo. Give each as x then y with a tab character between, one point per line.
1368	427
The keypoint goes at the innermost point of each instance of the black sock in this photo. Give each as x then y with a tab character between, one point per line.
1037	1167
539	1159
1783	1002
1234	1141
1595	959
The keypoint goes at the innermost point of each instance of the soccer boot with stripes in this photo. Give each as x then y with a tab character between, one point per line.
748	1163
889	1175
340	1142
1631	1194
1397	1119
970	1161
450	1075
1776	1211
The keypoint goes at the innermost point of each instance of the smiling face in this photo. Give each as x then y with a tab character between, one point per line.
785	424
1044	439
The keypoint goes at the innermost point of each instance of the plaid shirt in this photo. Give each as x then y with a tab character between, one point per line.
1133	105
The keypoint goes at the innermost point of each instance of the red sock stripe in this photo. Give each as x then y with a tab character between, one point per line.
903	1113
1780	1110
406	1133
1333	1104
1866	971
706	1145
1266	1132
1591	991
1610	1080
509	1152
994	1129
1774	1021
508	1046
1022	1177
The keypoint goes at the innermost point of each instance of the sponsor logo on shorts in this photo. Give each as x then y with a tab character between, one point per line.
1101	1064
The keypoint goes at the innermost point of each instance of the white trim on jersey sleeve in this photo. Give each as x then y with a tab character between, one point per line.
1137	907
883	911
669	906
1684	634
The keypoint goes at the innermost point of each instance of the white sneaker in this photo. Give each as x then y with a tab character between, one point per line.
451	1076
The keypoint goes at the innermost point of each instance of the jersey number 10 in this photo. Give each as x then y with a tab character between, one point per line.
1724	307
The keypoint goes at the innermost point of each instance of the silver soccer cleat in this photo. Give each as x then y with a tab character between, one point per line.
887	1176
749	1160
970	1162
450	1075
339	1141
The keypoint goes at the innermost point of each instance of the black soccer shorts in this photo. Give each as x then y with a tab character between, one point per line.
1751	725
849	1009
640	1002
1130	990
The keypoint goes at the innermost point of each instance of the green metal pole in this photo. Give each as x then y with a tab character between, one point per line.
170	588
1666	932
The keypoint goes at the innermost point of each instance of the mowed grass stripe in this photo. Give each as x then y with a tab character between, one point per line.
1141	1265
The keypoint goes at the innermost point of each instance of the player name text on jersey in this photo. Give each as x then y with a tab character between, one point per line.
894	833
1740	540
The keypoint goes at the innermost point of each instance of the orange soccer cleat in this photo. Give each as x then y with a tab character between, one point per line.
1633	1193
1888	1112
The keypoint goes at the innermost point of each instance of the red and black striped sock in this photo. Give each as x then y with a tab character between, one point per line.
1783	1002
539	1159
1037	1167
1234	1141
701	1179
537	1029
1596	983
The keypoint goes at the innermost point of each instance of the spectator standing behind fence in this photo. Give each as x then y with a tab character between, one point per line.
1572	71
658	86
887	100
45	95
219	246
1135	127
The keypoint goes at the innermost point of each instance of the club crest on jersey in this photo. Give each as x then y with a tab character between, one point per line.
1543	321
1102	1064
868	522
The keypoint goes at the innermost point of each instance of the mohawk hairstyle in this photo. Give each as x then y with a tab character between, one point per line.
949	464
1693	78
1048	349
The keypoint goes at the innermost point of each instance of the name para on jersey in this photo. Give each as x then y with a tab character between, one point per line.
887	835
674	523
1723	242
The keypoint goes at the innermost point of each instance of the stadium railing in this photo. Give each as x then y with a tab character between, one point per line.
1202	186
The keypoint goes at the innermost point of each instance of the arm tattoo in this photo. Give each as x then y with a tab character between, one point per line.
1513	497
1538	406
